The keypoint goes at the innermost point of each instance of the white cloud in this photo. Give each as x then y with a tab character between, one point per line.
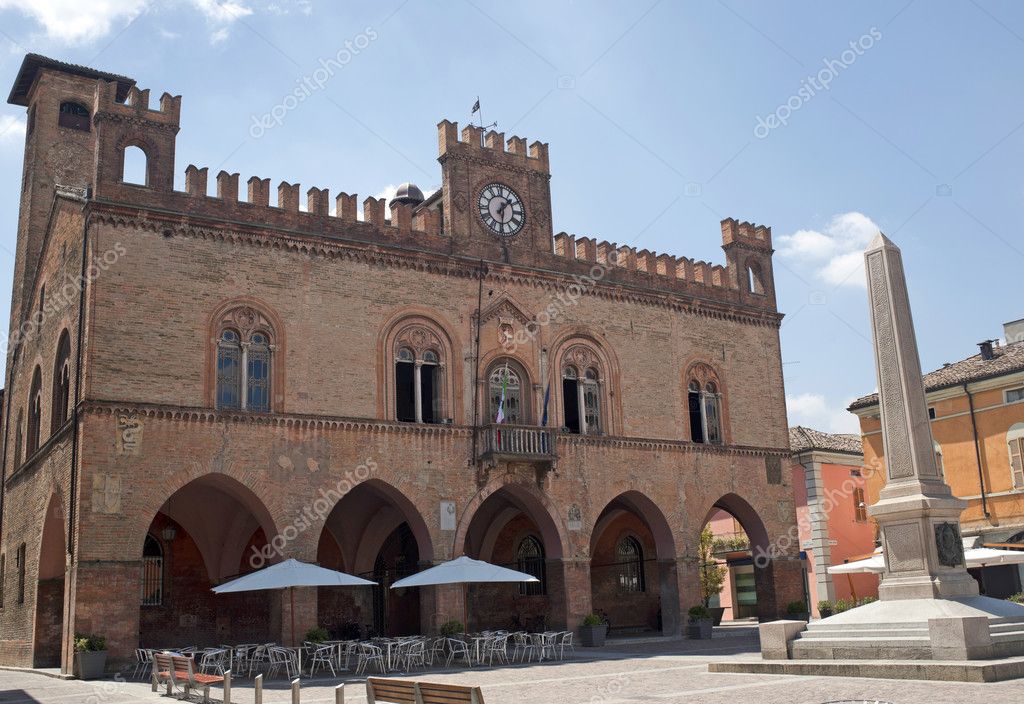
219	35
388	193
75	22
12	129
835	253
813	411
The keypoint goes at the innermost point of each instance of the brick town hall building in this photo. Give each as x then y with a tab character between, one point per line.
198	384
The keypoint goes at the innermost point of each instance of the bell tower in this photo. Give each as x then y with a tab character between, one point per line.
496	194
60	148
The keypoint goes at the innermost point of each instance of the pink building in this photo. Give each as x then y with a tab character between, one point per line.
828	487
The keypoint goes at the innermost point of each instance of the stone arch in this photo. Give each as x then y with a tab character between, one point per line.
492	527
423	329
614	592
375	531
742	563
149	151
49	606
526	498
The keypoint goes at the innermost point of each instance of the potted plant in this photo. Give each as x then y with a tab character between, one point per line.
1017	598
712	575
451	628
797	611
825	608
700	623
317	635
90	656
593	631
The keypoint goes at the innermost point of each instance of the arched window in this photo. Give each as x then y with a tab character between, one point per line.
257	378
1015	444
505	394
704	403
630	558
584	373
135	167
244	362
35	412
152	572
18	435
229	370
418	360
73	116
61	383
755	283
530	560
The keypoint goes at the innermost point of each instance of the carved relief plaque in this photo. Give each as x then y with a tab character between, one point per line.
903	549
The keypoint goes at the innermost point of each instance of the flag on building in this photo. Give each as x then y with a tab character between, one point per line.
500	418
547	397
476	107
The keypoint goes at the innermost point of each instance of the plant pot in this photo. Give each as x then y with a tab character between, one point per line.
699	629
593	636
717	613
825	613
90	664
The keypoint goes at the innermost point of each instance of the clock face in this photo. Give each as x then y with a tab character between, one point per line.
501	210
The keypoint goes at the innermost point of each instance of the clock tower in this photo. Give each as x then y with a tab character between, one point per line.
496	196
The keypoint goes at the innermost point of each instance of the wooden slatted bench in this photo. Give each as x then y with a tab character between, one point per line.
179	671
411	692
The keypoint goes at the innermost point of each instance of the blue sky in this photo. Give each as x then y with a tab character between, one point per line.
662	119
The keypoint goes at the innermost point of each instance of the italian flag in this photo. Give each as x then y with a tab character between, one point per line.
500	418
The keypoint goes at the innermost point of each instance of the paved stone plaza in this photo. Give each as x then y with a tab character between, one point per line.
666	671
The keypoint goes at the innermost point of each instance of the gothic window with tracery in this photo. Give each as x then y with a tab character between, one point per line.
704	403
244	361
582	392
419	380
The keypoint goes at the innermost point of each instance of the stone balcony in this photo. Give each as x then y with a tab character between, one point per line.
522	443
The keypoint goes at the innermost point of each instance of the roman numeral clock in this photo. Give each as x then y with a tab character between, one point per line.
501	210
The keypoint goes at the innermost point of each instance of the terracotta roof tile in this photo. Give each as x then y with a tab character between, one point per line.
1007	359
803	439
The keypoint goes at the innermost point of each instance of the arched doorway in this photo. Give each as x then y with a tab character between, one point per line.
49	618
735	545
633	583
376	532
513	528
211	530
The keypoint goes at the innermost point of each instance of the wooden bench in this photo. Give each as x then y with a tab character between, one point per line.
411	692
179	671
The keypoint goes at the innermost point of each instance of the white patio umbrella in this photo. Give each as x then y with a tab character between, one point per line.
288	575
974	557
463	570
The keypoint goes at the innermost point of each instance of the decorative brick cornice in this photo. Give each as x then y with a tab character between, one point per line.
386	255
187	414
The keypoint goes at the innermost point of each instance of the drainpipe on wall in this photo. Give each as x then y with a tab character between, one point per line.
977	452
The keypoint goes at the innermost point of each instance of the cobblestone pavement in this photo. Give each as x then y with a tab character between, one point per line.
643	671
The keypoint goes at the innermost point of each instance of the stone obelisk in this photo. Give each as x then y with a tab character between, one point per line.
918	516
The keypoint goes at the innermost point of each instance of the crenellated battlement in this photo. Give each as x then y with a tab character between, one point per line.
398	218
644	261
513	150
746	234
136	105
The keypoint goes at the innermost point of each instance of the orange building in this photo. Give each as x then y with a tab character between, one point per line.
976	408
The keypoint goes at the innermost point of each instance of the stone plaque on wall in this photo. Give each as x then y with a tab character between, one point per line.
447	515
106	493
129	434
575	518
773	469
949	545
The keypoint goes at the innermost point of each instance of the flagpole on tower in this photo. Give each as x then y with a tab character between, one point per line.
480	115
